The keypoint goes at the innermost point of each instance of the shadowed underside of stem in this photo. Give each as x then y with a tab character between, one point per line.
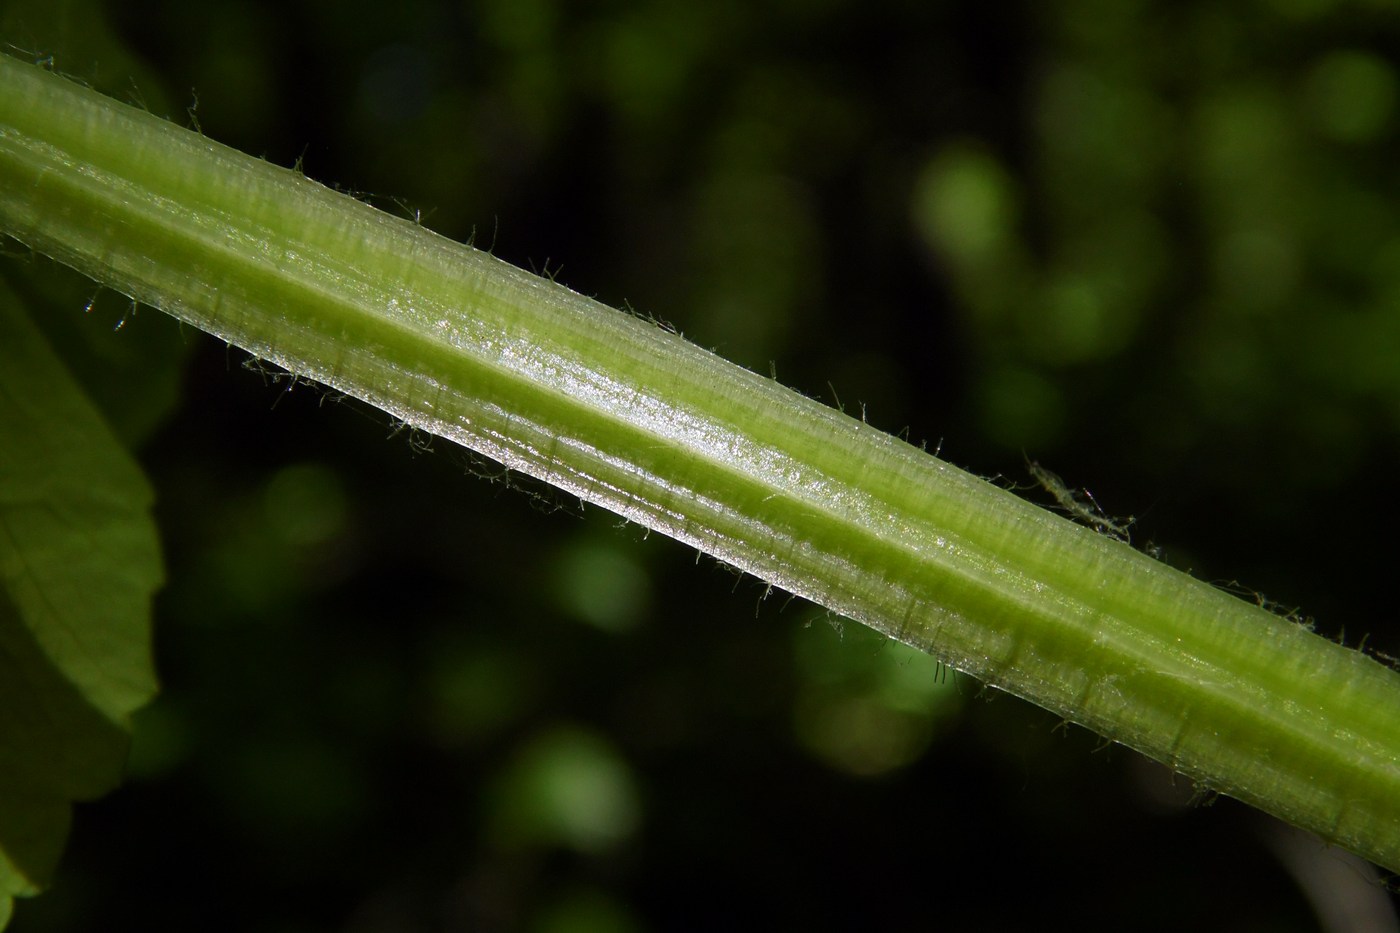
632	417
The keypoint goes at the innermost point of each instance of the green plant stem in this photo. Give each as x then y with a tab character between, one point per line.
629	416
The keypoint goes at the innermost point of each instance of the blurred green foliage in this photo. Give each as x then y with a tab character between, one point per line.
1155	246
79	564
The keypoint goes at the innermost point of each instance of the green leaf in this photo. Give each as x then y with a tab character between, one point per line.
79	562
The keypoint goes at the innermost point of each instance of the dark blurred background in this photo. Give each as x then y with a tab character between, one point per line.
1155	246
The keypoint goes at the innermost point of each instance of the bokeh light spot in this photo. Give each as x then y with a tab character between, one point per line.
965	207
1350	95
602	586
569	788
867	705
305	504
1020	409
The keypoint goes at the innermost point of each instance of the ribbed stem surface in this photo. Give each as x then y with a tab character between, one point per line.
631	417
